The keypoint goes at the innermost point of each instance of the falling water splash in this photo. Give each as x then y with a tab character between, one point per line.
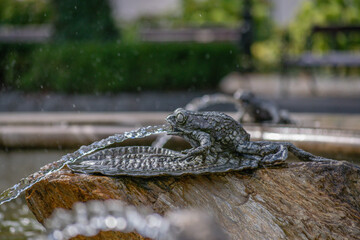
200	103
88	219
26	183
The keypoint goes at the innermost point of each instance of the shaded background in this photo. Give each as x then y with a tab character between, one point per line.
108	48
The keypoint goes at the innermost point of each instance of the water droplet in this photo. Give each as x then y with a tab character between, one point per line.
154	220
121	223
57	235
25	221
110	222
71	231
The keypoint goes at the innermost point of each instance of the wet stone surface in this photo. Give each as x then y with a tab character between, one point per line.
313	200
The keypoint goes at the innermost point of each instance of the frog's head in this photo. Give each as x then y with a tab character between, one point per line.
178	121
245	97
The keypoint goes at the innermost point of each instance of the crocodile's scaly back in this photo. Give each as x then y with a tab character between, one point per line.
146	161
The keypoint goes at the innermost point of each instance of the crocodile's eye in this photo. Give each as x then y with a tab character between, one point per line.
180	118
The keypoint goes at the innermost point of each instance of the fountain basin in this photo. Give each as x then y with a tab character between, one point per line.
270	132
331	135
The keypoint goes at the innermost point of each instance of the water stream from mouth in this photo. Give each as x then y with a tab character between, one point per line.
25	183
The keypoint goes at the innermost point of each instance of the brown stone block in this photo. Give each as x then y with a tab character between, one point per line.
313	200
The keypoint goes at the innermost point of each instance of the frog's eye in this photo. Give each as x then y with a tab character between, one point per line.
180	118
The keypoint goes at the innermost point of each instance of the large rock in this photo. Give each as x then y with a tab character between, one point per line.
298	201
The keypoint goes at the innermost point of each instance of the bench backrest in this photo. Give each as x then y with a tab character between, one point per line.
349	33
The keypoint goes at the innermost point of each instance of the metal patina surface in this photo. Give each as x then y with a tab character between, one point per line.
219	144
248	108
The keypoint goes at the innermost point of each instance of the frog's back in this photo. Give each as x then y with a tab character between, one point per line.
235	131
225	127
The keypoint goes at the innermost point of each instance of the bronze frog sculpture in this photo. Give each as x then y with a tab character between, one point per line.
219	144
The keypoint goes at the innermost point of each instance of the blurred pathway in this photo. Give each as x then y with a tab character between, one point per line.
159	101
335	95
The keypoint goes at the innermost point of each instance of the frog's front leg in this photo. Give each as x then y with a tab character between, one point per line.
203	141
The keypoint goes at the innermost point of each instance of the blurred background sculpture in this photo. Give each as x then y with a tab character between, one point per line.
260	111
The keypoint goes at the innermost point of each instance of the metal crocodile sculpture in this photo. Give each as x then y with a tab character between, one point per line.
219	144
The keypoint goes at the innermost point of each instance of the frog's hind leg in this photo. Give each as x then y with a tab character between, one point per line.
250	148
278	154
303	155
268	152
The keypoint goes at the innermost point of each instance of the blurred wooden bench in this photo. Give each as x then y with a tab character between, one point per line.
334	58
204	35
26	34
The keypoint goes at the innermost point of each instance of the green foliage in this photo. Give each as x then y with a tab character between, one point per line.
267	53
228	13
324	12
263	24
200	12
110	67
210	13
14	60
18	12
83	20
